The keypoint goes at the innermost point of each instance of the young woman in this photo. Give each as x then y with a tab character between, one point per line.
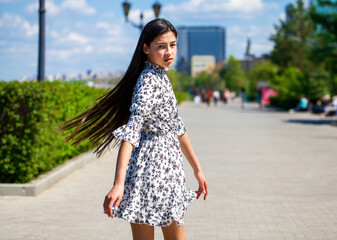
142	113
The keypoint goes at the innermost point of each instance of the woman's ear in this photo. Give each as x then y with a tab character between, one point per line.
146	49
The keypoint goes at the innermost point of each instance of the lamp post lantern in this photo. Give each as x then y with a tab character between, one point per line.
41	60
156	8
126	7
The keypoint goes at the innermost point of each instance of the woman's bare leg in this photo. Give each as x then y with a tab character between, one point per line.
142	232
173	232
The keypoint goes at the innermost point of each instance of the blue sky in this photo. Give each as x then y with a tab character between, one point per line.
93	34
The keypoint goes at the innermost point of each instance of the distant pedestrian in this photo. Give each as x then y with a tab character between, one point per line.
197	97
303	105
141	112
228	95
259	97
233	95
209	97
331	109
204	95
216	97
318	107
243	97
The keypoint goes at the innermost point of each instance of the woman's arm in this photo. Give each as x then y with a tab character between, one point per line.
116	193
187	149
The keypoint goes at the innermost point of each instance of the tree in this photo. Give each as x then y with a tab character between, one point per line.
175	79
293	38
234	75
263	71
203	80
325	47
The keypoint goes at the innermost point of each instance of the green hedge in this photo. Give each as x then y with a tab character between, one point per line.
181	96
284	103
29	115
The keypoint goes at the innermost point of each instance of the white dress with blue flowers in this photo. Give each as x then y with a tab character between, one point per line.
154	190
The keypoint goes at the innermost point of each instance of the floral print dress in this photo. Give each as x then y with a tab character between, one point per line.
154	189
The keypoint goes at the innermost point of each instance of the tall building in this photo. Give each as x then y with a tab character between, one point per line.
200	41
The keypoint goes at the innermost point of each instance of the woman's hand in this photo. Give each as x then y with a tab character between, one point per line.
203	185
114	196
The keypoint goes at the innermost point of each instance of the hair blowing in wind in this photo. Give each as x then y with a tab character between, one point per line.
111	110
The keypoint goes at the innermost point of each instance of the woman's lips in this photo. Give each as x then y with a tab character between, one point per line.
168	59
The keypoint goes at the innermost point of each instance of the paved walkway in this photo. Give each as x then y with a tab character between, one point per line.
272	175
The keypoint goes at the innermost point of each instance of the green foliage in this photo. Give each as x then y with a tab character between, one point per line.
305	51
175	79
181	96
209	81
203	80
293	38
263	71
29	115
234	75
283	103
294	83
180	82
324	52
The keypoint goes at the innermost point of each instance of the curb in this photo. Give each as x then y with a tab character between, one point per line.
48	179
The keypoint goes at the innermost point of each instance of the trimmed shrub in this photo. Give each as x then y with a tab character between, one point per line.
29	115
181	96
283	103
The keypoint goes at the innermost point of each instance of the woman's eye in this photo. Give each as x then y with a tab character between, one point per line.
173	45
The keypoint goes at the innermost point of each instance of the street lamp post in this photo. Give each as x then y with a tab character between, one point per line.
42	12
126	7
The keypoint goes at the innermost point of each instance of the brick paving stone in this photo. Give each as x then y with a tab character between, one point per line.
271	176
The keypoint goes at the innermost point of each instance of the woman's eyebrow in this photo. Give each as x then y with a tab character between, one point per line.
165	42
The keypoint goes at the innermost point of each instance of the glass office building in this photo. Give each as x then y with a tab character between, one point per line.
199	41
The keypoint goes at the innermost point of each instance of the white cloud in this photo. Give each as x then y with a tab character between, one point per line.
134	15
260	48
104	25
112	38
72	38
65	54
88	49
217	9
282	16
110	28
18	25
237	40
54	34
80	6
31	30
50	6
112	49
61	53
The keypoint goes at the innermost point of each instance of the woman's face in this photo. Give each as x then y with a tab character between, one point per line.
162	50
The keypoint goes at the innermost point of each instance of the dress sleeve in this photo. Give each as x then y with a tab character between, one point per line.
145	98
181	129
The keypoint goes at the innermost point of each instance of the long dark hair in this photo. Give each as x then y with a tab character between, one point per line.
112	108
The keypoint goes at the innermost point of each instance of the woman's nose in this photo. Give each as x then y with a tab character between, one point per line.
168	51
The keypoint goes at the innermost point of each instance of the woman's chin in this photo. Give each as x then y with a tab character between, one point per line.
168	64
